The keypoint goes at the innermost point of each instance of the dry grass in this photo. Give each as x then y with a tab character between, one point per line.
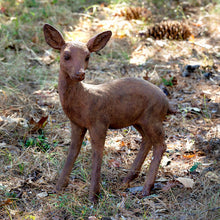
30	159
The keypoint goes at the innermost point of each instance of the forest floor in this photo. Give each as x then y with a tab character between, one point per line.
35	133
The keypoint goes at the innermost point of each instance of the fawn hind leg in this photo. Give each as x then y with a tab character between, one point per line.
159	147
140	158
152	134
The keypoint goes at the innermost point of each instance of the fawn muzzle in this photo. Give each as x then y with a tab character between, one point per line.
78	76
81	74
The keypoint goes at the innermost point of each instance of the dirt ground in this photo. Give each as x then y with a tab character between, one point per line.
35	133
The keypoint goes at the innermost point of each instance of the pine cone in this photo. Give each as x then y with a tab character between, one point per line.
134	13
172	30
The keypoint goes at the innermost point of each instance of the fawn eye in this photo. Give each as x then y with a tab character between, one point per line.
67	56
87	59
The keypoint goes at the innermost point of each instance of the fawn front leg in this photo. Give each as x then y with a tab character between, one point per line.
97	135
77	135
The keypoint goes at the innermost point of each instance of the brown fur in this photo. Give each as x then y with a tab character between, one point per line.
96	108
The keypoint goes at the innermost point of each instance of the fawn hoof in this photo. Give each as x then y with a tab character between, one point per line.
129	178
61	185
58	189
145	193
94	199
125	184
147	189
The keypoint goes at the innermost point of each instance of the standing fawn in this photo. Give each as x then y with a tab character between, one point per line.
114	105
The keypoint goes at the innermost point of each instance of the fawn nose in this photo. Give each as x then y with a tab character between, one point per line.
81	74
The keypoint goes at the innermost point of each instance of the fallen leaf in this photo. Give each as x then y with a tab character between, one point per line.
192	39
102	5
3	10
165	161
38	125
13	122
135	189
189	156
42	195
6	202
169	185
114	163
213	177
196	24
35	39
42	121
187	182
119	35
92	218
162	179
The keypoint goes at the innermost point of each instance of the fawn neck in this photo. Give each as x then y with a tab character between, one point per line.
72	94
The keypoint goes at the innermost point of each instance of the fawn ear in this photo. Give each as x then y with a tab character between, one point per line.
99	41
53	37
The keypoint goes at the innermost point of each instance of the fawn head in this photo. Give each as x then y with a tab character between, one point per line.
74	56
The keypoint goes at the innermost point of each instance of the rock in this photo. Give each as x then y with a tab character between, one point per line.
207	75
189	69
42	195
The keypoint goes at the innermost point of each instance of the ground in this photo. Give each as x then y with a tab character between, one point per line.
35	133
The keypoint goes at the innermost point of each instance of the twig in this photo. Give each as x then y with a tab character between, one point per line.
34	55
211	210
82	14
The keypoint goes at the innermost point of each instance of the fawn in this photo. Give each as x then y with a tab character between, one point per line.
116	104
